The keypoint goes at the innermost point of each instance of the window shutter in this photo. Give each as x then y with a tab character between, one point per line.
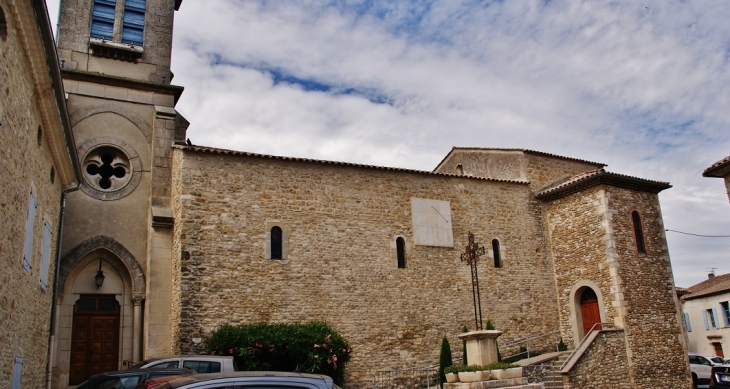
707	324
102	19
686	322
29	224
46	254
133	23
714	315
17	370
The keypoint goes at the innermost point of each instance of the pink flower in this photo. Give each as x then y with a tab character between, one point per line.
316	357
316	345
334	358
230	351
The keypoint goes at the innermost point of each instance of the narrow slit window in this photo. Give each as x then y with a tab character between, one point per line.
102	19
276	242
497	254
400	246
638	232
133	23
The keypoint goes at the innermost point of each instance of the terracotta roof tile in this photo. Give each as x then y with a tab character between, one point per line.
709	172
708	287
591	178
214	150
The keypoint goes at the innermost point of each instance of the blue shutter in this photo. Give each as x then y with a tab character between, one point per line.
17	370
715	317
46	254
29	224
133	23
686	322
102	19
707	324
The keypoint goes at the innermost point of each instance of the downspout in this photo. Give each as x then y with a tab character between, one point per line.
52	330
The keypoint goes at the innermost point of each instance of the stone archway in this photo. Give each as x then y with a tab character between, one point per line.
124	285
104	242
118	109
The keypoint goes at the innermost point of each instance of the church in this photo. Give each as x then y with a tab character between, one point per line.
148	243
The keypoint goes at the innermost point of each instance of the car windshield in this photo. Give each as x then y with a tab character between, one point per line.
139	365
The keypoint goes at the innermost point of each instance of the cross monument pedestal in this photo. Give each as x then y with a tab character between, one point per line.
481	346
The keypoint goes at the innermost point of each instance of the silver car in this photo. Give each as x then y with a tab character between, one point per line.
252	380
198	363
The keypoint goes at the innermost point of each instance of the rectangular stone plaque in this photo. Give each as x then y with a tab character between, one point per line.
432	222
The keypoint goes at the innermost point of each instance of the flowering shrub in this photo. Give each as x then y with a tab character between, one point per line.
308	348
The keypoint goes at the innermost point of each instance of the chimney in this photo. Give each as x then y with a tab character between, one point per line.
711	275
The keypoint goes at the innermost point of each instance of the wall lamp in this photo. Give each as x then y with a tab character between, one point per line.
99	277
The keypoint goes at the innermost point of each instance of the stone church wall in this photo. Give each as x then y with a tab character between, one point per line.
26	163
603	365
593	245
341	223
653	322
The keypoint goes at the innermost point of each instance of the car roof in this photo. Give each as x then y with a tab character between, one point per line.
144	371
251	375
150	360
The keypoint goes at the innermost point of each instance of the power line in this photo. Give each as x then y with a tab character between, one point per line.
703	236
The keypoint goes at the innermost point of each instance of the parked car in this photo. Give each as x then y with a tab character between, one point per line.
198	363
716	361
155	383
252	379
128	379
720	377
701	369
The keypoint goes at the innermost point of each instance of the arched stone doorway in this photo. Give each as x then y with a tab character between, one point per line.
587	308
98	327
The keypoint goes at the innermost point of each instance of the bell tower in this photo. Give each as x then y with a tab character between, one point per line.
115	64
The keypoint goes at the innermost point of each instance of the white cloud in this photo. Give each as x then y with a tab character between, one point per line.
640	85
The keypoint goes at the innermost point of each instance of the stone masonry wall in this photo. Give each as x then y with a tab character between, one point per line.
604	365
577	231
24	306
342	223
73	40
653	320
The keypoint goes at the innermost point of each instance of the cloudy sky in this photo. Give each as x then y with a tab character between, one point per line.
640	85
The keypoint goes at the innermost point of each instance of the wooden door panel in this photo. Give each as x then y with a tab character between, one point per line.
95	341
590	314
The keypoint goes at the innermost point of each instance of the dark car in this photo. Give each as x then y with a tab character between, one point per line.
128	379
252	379
720	377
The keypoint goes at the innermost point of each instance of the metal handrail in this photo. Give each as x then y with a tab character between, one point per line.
527	340
580	344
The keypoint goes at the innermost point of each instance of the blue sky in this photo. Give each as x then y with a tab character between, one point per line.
640	85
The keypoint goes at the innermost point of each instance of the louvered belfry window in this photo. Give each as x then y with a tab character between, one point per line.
133	23
102	19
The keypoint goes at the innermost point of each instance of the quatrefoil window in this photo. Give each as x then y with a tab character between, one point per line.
107	169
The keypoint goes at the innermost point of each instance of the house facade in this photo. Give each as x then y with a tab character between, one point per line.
39	164
706	310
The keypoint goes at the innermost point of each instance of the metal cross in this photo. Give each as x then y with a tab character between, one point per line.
471	256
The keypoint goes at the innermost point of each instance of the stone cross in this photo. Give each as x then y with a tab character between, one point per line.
471	256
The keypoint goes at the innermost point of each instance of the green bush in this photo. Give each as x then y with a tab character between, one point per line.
444	359
308	348
499	366
562	346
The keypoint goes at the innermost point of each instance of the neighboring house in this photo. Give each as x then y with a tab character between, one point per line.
38	159
164	242
720	169
706	309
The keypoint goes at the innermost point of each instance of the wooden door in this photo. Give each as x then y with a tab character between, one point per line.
590	314
718	350
94	338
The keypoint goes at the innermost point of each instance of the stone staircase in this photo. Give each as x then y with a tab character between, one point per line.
555	380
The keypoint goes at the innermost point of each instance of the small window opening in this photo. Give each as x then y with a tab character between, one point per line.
638	232
400	245
460	170
39	136
3	26
497	254
106	170
276	242
53	175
